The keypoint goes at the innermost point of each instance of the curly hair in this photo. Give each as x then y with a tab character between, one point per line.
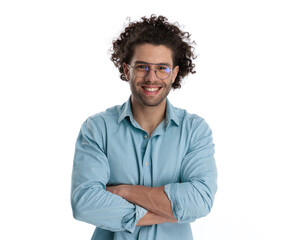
155	30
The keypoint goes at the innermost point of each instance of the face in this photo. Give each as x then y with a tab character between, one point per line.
150	90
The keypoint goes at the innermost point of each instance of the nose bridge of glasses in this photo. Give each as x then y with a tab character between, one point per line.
154	68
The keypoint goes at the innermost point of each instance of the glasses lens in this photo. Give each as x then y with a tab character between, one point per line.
162	71
141	70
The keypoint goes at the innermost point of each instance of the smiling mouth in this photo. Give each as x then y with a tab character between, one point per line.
151	90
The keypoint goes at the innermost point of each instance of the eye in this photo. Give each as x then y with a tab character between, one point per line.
141	67
163	68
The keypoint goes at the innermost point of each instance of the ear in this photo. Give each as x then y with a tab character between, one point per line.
126	71
174	73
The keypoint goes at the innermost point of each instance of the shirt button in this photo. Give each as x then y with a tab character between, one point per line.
145	136
146	163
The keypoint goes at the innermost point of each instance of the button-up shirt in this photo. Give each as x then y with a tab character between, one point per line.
112	149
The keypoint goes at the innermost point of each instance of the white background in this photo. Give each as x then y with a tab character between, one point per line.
55	71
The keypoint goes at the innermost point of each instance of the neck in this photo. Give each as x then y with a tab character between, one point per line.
148	117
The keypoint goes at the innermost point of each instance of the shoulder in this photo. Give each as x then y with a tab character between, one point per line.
185	117
192	124
109	114
102	120
195	128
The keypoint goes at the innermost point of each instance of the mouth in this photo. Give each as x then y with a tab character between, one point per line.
151	90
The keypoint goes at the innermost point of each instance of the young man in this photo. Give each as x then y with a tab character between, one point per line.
145	169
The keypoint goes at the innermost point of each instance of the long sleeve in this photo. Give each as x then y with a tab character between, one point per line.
90	201
193	197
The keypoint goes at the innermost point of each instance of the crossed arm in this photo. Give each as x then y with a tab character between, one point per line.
120	208
153	199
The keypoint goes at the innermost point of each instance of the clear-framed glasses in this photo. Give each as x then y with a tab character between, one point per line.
162	71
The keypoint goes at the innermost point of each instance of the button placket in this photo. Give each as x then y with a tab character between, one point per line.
146	161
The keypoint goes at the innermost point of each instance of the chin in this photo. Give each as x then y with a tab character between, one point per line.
152	103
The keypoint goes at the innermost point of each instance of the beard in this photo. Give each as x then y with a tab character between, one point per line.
146	100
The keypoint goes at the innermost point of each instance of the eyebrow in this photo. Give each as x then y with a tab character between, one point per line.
162	63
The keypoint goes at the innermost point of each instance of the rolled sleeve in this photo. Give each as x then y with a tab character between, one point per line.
90	201
193	197
129	221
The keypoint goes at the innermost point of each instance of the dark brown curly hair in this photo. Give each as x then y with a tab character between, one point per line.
155	30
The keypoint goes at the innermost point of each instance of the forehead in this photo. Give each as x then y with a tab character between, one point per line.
152	54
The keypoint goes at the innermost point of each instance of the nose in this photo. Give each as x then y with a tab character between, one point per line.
151	75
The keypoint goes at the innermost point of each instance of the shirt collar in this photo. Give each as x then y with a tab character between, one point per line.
170	114
125	111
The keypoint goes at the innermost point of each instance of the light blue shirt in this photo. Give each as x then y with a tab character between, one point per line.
113	149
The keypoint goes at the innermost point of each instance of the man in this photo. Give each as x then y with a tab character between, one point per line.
145	169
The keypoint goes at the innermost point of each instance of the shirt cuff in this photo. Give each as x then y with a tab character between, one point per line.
129	221
171	192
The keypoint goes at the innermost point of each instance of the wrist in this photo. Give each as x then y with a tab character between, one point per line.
124	191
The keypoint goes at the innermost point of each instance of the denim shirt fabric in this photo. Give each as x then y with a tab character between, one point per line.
113	149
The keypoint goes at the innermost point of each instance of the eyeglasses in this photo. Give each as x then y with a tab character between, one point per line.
142	69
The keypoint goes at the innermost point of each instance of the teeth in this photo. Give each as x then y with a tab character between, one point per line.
151	89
